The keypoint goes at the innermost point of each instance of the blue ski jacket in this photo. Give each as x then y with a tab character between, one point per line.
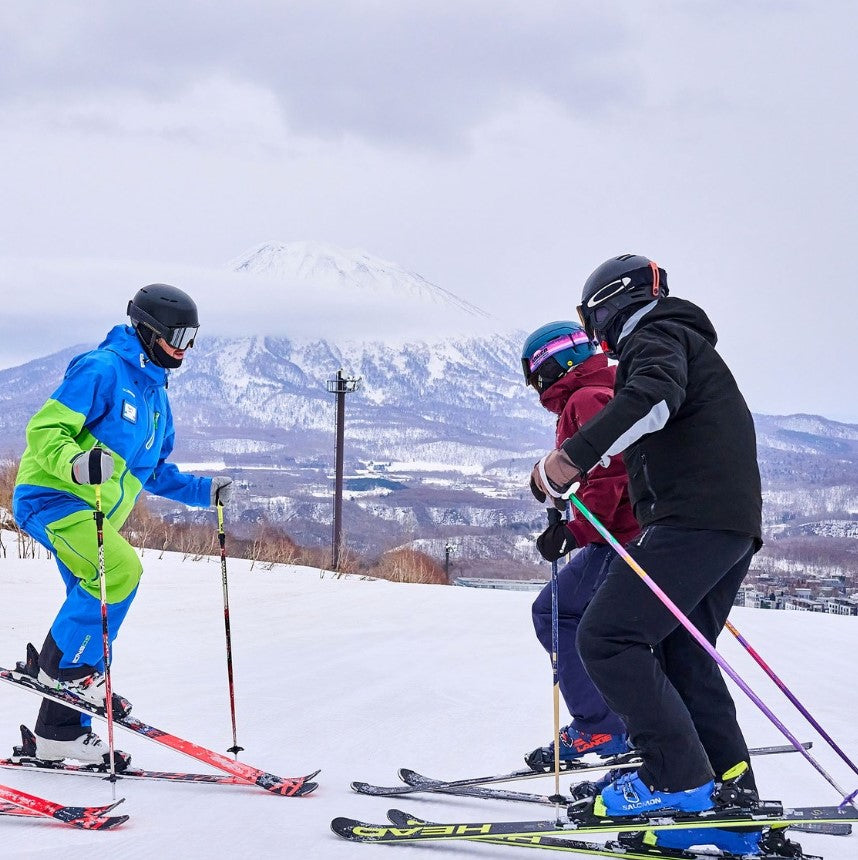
112	396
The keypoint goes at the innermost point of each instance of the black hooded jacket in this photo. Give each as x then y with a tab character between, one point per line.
683	427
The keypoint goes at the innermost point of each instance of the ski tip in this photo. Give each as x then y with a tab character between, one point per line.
414	778
381	790
99	823
344	826
398	818
306	788
358	831
287	787
401	818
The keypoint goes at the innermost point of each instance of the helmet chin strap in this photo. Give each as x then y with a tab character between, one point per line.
163	359
157	354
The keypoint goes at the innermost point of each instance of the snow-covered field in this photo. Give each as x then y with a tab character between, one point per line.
359	678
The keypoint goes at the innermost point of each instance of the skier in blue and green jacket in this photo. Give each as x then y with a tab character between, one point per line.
108	424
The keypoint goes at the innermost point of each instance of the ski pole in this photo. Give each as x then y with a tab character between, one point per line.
846	797
235	749
105	635
553	519
788	693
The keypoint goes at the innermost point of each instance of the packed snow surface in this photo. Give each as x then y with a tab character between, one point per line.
361	677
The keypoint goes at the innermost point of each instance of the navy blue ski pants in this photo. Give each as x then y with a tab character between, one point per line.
577	582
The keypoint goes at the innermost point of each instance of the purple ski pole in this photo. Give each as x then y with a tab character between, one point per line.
788	693
846	797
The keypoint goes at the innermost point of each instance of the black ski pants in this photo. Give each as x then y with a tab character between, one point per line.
651	671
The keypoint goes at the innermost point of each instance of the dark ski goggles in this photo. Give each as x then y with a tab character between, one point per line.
595	321
604	304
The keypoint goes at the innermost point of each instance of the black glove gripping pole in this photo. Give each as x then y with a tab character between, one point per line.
235	749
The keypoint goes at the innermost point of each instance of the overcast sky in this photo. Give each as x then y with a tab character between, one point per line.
500	149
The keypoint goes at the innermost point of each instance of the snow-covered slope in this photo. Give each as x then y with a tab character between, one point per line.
359	678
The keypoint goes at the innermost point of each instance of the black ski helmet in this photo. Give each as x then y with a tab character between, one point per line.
159	310
619	283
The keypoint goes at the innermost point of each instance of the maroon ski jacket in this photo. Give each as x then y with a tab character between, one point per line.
575	399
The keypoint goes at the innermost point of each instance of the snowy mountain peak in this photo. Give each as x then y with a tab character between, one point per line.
324	265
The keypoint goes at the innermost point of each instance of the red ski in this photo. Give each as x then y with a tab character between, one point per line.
85	817
24	758
25	678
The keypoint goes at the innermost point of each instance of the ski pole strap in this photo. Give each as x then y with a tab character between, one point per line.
98	516
221	535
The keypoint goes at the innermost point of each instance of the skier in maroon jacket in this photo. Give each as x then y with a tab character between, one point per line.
574	382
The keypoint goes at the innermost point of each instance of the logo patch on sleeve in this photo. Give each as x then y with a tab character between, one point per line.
129	411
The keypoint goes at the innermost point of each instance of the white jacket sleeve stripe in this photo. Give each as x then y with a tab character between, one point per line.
654	420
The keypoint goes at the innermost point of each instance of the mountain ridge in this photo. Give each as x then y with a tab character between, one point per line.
440	439
332	271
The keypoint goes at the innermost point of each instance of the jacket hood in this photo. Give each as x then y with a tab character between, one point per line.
592	373
123	340
673	310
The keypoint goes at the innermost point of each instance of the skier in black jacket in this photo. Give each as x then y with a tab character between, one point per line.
689	445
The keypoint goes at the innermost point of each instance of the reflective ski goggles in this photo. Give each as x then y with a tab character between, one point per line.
178	337
547	350
182	338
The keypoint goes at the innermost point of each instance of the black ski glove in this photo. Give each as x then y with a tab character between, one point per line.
555	542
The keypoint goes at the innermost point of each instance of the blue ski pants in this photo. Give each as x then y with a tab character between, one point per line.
75	641
577	583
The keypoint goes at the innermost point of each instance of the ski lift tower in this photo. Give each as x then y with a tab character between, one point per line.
341	386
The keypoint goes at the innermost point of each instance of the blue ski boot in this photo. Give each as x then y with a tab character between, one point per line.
574	744
589	789
743	842
628	795
733	841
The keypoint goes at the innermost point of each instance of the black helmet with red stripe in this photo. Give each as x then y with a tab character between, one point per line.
615	287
